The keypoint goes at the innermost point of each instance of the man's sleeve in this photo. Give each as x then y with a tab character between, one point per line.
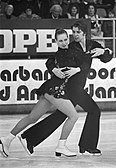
84	60
107	56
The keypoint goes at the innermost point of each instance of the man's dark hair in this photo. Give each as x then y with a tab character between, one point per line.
81	25
60	31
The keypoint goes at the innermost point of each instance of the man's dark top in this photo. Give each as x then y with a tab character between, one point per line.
84	60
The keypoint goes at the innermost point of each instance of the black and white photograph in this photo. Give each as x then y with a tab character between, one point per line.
57	83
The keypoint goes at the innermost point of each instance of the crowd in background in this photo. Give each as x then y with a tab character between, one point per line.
59	9
55	9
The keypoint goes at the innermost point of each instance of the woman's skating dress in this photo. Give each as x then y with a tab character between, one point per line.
55	86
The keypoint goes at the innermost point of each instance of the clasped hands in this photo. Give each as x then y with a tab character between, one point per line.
68	73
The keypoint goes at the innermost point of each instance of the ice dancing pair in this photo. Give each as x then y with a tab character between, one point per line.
69	68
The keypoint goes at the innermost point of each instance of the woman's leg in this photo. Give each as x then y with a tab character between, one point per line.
66	107
39	109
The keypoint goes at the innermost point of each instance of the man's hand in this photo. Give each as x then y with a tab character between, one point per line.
58	72
72	71
97	52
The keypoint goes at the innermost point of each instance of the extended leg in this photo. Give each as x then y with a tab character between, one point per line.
40	108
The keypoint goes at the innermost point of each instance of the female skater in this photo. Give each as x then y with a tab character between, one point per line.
52	92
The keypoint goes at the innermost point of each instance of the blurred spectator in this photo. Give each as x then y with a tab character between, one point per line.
95	23
1	12
91	13
73	11
80	3
33	4
39	7
28	14
107	26
65	6
44	8
19	6
55	12
83	8
2	7
8	14
114	9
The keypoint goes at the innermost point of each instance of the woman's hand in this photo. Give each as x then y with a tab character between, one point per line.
72	71
58	72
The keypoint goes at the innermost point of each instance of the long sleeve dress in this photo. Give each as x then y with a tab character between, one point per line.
63	58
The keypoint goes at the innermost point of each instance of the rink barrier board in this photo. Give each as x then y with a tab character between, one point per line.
20	78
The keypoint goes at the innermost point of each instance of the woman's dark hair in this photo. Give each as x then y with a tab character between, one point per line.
71	5
81	25
60	31
91	4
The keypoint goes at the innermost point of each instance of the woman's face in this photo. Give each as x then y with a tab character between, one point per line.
9	10
62	41
29	12
74	10
91	10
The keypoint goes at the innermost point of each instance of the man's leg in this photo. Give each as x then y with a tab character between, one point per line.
90	133
40	131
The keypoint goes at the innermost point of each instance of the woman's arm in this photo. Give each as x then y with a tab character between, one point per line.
50	64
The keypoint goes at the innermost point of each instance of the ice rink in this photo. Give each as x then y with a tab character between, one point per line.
44	156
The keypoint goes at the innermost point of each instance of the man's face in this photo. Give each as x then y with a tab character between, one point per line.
62	41
78	34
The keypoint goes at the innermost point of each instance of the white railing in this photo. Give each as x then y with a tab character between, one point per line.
113	36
